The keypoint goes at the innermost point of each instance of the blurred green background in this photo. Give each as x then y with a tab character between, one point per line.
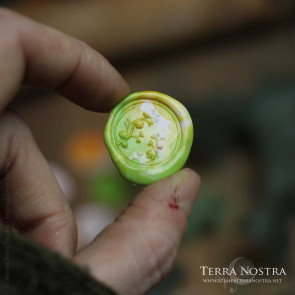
232	64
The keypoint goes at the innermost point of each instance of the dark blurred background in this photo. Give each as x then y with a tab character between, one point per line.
232	64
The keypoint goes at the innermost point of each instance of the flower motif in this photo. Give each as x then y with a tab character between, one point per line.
128	133
123	134
150	154
139	123
124	144
149	121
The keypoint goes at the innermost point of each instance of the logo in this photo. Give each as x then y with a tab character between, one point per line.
242	271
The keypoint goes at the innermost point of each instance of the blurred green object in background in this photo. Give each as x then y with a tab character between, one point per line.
110	189
208	214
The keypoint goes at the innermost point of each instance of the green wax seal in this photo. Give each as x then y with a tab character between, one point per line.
149	136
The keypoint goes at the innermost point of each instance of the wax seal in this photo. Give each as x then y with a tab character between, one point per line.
149	136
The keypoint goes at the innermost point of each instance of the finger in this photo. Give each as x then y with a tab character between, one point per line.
41	56
138	249
31	199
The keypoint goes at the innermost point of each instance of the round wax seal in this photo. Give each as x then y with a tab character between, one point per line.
149	136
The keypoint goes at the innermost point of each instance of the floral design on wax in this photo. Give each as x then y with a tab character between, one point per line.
130	132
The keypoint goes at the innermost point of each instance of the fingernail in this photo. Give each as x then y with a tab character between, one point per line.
187	186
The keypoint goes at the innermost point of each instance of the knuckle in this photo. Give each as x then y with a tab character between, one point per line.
10	22
7	14
15	138
16	126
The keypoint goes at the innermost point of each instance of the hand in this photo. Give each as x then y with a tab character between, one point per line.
137	250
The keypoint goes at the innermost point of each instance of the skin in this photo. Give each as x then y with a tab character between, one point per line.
138	249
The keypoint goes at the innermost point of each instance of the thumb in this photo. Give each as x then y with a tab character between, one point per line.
135	252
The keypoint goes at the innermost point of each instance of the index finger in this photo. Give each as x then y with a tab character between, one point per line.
37	55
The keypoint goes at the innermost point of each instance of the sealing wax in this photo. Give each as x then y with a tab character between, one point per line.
149	136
